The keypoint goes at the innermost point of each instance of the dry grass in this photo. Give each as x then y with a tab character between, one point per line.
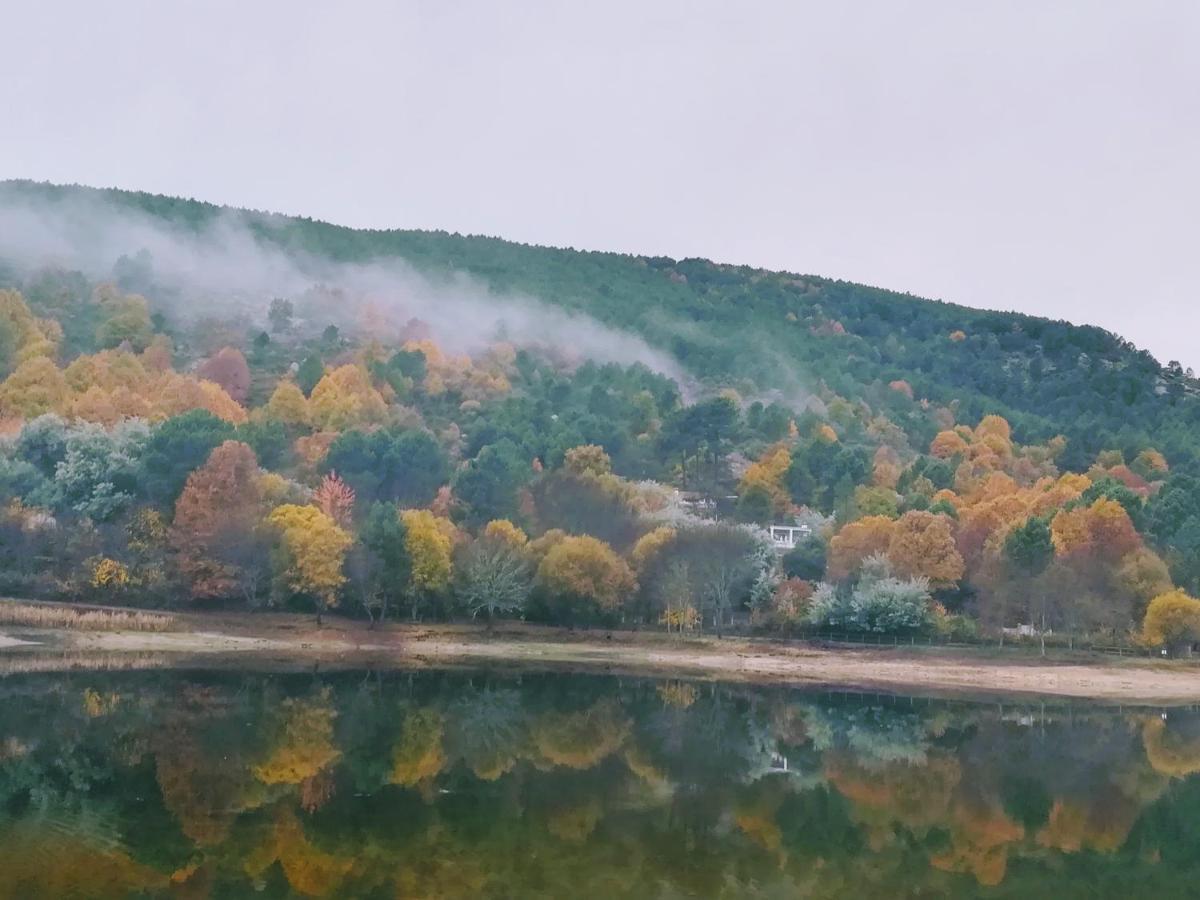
37	616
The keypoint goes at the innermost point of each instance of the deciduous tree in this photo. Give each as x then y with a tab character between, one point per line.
313	549
215	532
584	569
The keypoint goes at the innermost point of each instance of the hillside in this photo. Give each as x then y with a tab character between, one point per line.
212	407
781	335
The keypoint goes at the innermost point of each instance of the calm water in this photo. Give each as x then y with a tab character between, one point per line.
460	786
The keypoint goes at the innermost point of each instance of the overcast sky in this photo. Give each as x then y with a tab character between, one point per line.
1038	155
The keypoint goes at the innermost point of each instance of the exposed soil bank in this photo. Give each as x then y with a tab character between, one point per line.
246	639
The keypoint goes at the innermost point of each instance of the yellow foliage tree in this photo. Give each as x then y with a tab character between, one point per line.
23	336
1172	619
506	531
314	550
588	459
288	405
429	546
650	544
36	387
1144	575
345	397
586	568
767	474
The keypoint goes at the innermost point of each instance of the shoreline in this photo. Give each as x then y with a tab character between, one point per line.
280	639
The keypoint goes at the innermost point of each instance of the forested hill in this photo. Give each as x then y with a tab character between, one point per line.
760	331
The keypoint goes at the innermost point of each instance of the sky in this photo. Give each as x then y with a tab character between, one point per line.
1028	155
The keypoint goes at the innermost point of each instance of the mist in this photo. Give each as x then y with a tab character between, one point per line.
224	269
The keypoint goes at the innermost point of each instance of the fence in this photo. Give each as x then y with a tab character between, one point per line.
1022	643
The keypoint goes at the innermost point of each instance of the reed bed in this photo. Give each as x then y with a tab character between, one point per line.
38	616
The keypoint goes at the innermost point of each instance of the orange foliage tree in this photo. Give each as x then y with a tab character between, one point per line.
922	545
216	522
855	542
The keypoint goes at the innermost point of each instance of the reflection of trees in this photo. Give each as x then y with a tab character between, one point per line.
202	786
606	790
303	742
981	835
579	740
875	735
486	730
418	755
309	870
1173	751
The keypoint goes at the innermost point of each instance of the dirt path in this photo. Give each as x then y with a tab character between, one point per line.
203	640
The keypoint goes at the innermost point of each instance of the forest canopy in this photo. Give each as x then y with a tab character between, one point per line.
220	407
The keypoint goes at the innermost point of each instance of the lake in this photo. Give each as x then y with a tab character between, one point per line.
493	785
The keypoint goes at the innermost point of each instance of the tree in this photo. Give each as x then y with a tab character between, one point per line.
704	428
215	532
178	446
922	546
344	397
872	500
806	560
855	542
505	531
280	315
98	476
650	545
125	319
313	549
948	444
1143	575
587	459
1112	530
1172	620
227	368
585	570
310	372
429	547
23	337
487	486
879	602
492	577
35	388
379	562
288	406
391	465
1029	547
335	498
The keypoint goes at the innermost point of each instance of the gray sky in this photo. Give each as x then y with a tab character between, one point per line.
1035	155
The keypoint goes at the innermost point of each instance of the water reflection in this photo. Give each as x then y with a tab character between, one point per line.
448	785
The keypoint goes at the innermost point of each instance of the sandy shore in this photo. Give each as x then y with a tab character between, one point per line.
265	639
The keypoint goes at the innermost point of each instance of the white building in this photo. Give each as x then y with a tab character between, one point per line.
786	537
